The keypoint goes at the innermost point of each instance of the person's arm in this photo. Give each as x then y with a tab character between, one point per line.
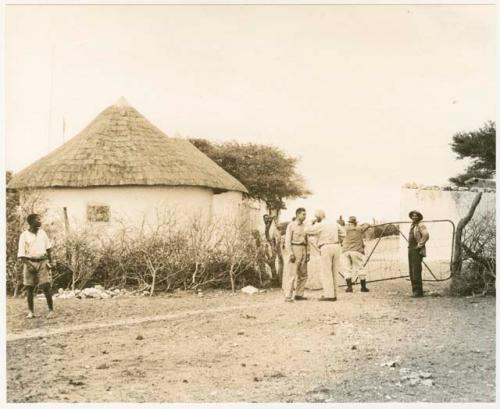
308	250
424	235
313	229
21	252
341	233
288	238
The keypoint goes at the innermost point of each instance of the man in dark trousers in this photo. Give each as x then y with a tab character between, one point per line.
35	252
416	251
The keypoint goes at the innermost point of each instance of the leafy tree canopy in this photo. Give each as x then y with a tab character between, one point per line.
479	146
266	171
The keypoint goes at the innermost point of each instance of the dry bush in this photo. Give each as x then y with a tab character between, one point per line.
160	256
165	256
478	265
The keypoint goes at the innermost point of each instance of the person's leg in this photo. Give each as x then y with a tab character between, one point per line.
291	277
347	266
326	273
30	296
416	272
358	261
417	275
410	269
301	272
44	280
336	253
48	295
29	277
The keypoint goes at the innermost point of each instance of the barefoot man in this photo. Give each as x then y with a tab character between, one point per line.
330	236
35	253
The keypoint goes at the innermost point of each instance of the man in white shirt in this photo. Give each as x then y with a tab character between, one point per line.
298	257
330	236
35	252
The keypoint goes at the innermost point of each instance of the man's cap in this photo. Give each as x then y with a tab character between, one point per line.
417	213
352	219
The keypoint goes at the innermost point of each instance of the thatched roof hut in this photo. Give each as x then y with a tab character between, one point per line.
121	147
123	167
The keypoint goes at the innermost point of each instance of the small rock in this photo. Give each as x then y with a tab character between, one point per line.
390	364
249	289
185	381
414	382
102	366
243	365
354	347
257	379
425	375
241	333
139	337
428	382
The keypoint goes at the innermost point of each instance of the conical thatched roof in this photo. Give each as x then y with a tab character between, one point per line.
121	147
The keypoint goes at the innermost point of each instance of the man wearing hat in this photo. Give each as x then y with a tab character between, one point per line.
353	252
416	251
330	236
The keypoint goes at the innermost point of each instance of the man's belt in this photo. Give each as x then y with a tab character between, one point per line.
327	244
299	244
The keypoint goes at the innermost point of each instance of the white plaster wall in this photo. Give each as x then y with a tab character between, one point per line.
233	207
441	204
129	204
226	205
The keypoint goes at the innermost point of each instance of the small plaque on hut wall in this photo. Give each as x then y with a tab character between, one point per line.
98	213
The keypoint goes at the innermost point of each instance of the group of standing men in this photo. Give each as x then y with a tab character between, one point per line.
333	242
341	247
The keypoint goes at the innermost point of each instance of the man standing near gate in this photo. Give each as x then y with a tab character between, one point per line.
298	257
416	251
353	254
330	236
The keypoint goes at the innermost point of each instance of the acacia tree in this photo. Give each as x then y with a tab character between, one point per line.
266	171
479	146
270	176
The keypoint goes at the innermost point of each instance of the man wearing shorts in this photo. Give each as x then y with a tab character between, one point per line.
35	253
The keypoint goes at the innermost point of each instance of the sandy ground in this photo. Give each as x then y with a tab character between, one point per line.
233	348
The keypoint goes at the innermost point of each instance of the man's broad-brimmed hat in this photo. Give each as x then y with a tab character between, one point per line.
352	219
417	213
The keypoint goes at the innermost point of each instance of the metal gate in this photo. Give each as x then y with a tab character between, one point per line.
387	255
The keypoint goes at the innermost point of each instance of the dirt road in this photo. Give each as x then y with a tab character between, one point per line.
376	347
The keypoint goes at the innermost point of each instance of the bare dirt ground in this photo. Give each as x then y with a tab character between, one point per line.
255	348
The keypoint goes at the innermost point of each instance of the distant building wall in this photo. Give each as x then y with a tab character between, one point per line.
442	203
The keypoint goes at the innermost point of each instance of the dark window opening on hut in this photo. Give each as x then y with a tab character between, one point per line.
98	213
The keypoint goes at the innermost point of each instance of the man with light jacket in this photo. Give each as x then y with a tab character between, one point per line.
417	239
330	236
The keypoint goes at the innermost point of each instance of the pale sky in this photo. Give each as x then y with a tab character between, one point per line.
368	96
